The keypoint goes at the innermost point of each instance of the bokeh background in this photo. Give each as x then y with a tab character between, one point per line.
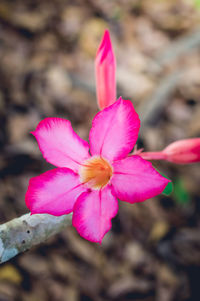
47	51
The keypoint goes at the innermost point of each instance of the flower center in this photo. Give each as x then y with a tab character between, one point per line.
96	172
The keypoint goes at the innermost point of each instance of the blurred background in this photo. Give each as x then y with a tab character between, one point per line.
47	51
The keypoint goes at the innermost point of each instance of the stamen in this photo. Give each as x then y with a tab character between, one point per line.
96	172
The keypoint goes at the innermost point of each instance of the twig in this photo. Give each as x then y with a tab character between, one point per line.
20	234
155	105
180	47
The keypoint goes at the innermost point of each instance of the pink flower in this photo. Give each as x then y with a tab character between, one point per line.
89	184
105	68
179	152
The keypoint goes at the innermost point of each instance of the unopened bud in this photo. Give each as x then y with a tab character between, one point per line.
183	151
105	68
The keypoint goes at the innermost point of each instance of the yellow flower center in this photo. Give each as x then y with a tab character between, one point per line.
96	172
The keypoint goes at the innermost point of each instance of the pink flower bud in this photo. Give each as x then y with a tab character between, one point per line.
183	151
179	152
105	67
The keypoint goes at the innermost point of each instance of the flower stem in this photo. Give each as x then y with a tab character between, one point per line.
153	155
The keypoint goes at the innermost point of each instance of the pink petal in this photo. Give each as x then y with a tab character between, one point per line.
93	212
59	144
135	180
53	192
105	68
114	130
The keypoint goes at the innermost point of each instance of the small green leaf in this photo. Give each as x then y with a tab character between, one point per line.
169	188
181	195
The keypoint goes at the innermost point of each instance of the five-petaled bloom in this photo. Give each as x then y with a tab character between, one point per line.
89	184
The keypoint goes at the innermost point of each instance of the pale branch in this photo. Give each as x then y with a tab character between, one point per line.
151	109
180	47
20	234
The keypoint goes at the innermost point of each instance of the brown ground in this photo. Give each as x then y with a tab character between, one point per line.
47	51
